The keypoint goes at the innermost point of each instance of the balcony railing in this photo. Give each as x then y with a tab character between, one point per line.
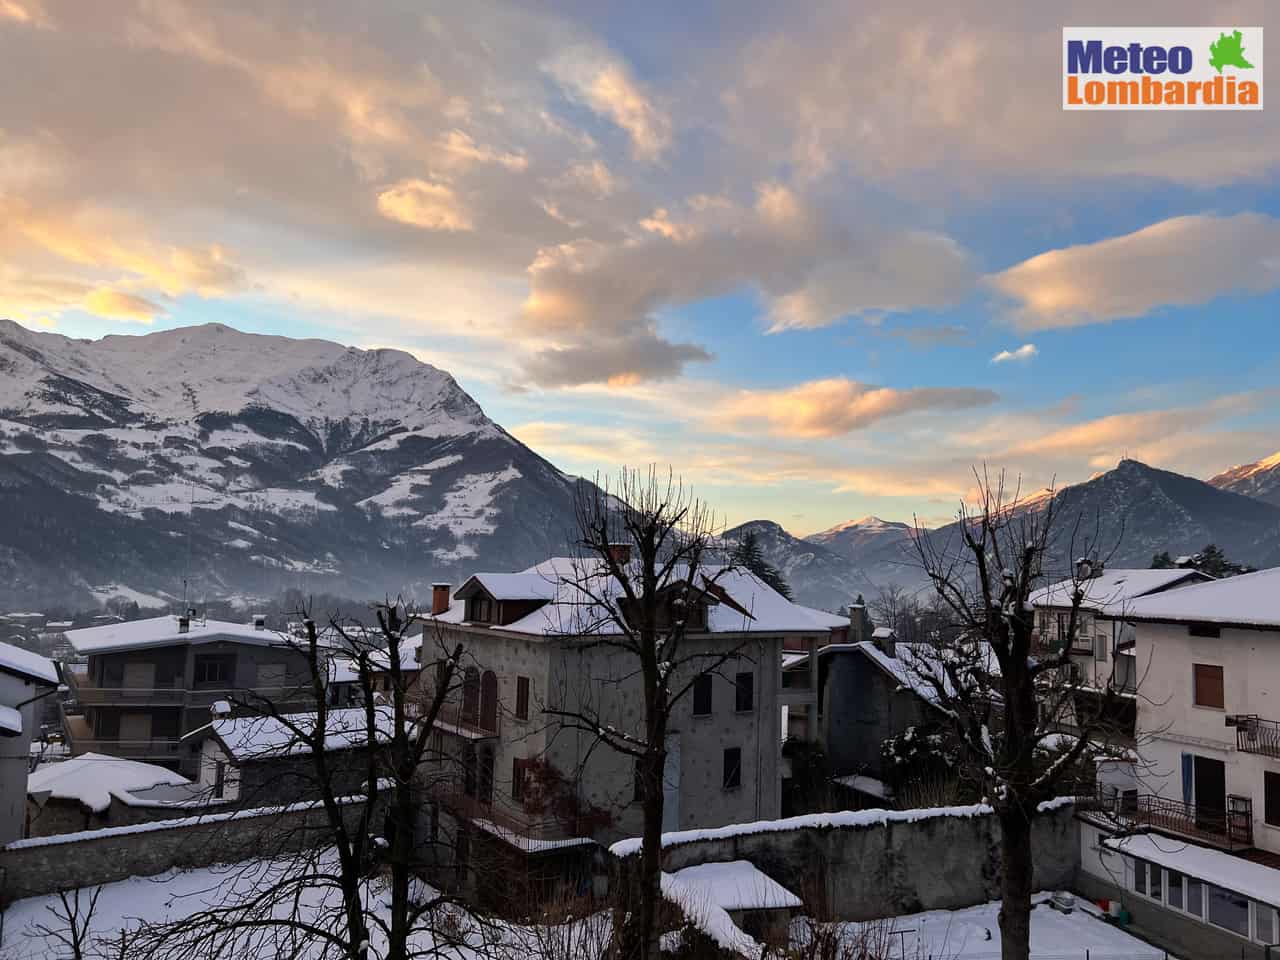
1255	735
1230	829
88	694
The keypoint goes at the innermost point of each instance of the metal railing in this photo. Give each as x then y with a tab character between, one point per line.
1229	829
1255	735
156	747
89	694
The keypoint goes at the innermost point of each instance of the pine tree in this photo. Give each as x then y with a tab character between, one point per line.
747	554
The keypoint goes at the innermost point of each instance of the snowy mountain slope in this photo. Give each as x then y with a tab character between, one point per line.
818	576
247	463
852	538
1260	480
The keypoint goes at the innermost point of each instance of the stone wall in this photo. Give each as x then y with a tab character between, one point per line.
859	866
33	867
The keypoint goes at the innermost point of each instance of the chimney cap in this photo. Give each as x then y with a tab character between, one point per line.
443	583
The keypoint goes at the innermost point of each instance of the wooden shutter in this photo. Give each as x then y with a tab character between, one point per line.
1208	685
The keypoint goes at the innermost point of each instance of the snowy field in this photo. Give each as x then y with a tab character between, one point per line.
974	934
30	927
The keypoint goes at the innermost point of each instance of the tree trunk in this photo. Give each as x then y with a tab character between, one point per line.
639	940
1016	867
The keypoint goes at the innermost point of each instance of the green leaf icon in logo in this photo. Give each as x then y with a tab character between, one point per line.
1228	51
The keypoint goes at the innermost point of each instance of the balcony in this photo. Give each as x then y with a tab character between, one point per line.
1255	735
88	694
1230	829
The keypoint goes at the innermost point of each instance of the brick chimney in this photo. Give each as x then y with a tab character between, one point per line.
857	620
184	623
621	553
439	598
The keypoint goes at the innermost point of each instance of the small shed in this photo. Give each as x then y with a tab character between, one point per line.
757	904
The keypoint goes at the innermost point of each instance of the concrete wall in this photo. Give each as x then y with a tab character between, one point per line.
1170	724
863	872
861	708
32	868
14	755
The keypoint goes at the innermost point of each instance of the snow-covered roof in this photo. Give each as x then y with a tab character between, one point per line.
26	664
736	885
868	785
531	844
790	660
1251	599
1112	587
570	611
882	633
528	585
261	738
10	722
163	631
93	779
1212	866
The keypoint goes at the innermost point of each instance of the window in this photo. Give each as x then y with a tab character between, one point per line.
1195	897
1207	680
732	768
1063	620
1271	798
1174	895
702	695
1229	910
1100	647
519	773
1140	876
480	610
522	698
470	695
745	689
1264	922
219	778
213	671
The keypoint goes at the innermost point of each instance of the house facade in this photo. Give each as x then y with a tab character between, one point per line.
528	660
148	682
1205	791
26	680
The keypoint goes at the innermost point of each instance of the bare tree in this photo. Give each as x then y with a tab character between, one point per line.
312	891
997	689
644	602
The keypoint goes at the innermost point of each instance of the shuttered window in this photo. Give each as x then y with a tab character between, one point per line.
1208	685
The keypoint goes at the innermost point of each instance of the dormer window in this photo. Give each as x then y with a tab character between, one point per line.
480	610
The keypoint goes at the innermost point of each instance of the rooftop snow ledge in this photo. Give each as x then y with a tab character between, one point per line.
824	821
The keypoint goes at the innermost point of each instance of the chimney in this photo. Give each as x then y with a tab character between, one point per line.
857	620
1087	569
886	640
259	621
184	623
621	553
439	598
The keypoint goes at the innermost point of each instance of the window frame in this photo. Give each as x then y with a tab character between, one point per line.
703	688
522	698
750	688
731	769
1197	687
1271	798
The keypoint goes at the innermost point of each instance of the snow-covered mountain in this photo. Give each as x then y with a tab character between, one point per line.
1260	480
247	463
854	537
818	575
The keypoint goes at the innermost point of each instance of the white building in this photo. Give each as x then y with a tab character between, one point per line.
25	679
1206	792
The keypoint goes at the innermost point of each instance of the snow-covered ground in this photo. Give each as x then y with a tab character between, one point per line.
974	934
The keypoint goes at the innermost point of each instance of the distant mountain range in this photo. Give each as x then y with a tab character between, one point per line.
245	464
1125	515
216	463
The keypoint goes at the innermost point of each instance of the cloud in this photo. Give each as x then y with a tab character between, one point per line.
118	305
1022	354
594	177
927	337
419	203
828	408
619	362
606	86
459	149
1176	262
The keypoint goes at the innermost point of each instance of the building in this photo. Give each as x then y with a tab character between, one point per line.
1206	791
92	791
26	680
532	647
260	760
148	682
1101	649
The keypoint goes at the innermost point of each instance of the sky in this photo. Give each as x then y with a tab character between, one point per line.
821	258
